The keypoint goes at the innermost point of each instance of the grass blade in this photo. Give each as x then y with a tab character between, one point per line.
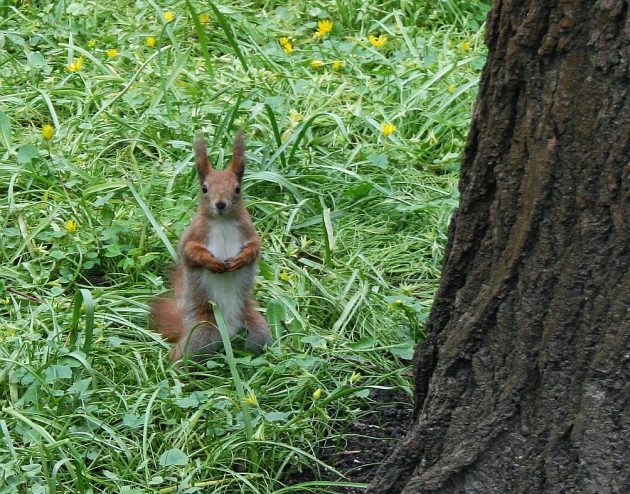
83	302
201	34
276	133
156	226
229	34
329	237
5	129
236	379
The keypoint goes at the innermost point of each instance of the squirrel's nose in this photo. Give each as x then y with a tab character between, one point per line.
220	205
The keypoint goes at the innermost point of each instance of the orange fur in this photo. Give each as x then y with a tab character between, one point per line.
167	318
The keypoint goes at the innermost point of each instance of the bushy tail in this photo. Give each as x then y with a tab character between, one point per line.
167	318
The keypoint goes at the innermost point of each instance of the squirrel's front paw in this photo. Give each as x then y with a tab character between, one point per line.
217	266
234	263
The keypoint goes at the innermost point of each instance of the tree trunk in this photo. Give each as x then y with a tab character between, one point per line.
522	384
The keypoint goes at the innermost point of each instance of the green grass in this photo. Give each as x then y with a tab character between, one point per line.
353	226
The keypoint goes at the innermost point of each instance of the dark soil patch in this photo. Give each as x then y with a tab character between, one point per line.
367	441
371	438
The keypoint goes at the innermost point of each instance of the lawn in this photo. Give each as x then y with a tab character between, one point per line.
356	115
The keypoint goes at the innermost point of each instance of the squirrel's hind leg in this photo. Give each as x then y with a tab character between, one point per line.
200	341
258	334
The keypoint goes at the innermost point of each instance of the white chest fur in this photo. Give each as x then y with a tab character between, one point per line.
228	290
224	239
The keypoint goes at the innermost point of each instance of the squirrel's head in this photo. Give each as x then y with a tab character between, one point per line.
221	189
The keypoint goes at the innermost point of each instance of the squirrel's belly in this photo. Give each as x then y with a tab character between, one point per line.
229	291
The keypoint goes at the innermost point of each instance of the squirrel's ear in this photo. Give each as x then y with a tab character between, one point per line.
201	158
238	155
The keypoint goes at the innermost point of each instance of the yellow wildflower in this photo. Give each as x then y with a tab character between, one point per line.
251	399
337	64
92	43
168	16
285	44
431	138
71	227
466	46
305	242
317	394
316	64
112	52
150	41
388	129
76	65
378	41
285	275
204	19
295	116
451	88
323	28
48	131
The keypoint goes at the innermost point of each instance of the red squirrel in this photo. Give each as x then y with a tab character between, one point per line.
217	263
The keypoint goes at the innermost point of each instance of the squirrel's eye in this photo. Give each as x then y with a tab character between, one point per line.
204	189
238	189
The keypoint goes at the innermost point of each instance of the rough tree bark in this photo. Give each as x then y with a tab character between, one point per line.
522	385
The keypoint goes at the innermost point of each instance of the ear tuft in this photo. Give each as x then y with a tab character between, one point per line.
201	157
238	155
